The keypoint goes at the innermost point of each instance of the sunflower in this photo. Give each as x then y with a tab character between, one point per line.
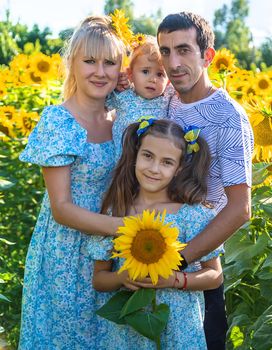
236	90
223	61
29	77
19	64
41	66
149	246
123	30
138	39
8	115
58	66
260	115
263	84
3	90
26	121
249	90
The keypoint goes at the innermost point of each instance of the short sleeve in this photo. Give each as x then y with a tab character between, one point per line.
235	148
100	248
199	217
113	100
56	140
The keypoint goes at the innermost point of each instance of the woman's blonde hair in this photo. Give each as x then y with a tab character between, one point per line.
149	47
97	37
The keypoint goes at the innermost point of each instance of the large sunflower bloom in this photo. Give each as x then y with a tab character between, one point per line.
223	61
149	246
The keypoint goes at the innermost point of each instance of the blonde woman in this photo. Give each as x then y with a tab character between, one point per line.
72	143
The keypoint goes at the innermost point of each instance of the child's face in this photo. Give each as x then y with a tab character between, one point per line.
157	163
148	76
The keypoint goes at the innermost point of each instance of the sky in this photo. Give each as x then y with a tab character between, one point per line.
62	14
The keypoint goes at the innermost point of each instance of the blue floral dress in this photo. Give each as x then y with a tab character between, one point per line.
185	326
58	299
130	107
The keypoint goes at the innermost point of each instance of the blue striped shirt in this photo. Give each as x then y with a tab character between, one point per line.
225	126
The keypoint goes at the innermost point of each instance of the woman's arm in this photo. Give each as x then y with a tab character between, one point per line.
105	280
58	184
209	277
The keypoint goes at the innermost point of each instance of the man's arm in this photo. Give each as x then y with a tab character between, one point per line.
227	221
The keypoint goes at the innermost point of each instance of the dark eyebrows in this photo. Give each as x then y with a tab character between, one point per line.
183	46
166	158
164	48
146	150
169	159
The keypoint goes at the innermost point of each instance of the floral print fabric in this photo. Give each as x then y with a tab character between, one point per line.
58	299
185	326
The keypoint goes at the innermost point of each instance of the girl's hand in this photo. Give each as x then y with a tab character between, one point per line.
162	283
123	82
127	282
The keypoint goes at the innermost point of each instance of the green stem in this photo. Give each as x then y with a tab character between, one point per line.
158	343
154	307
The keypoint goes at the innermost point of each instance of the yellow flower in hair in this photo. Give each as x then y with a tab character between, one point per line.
123	30
120	23
139	39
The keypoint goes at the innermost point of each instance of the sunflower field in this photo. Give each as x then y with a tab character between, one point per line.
28	84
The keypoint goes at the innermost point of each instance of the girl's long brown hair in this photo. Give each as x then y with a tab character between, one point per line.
188	186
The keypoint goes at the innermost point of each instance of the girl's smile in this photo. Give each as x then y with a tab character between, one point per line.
157	162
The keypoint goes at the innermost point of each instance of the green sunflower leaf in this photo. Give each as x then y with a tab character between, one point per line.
149	324
112	309
139	299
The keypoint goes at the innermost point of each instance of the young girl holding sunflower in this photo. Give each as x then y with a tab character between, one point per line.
159	170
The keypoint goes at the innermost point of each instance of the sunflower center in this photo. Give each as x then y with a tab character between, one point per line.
43	66
9	114
263	84
222	62
148	246
34	78
26	123
251	91
263	133
4	129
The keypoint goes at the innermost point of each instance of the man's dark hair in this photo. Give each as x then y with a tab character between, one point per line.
188	20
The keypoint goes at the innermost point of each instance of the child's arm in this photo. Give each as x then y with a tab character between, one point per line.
105	280
209	277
